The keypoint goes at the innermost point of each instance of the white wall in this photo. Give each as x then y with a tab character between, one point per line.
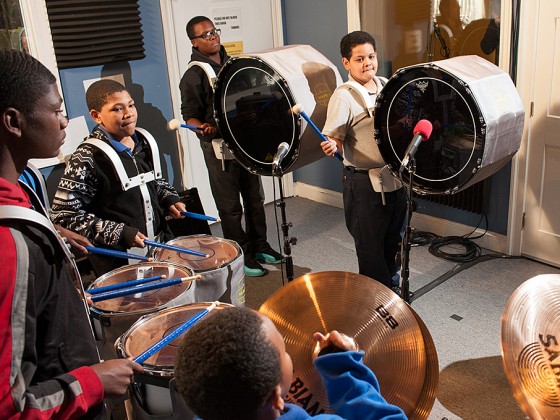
256	31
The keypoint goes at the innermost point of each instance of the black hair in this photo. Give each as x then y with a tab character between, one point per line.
23	80
353	39
194	21
98	93
226	368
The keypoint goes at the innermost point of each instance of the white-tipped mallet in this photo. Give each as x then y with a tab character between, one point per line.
175	124
298	110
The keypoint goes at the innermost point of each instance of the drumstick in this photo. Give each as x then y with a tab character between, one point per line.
175	124
175	248
298	109
141	358
143	288
117	254
195	216
124	284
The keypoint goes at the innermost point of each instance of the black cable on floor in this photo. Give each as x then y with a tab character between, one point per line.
471	251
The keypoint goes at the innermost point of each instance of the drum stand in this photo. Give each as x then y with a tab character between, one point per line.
288	242
407	237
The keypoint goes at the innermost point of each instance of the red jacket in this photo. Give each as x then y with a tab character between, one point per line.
46	341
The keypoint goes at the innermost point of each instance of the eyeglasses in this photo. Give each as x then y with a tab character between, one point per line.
207	35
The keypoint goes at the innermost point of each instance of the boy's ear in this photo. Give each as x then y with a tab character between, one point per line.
11	120
95	115
346	63
276	399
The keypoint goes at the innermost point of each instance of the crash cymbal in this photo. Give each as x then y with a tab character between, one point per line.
397	345
531	346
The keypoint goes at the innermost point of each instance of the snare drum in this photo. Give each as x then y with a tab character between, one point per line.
111	318
154	393
223	278
477	119
254	95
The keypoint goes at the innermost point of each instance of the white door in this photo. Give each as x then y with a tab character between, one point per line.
541	234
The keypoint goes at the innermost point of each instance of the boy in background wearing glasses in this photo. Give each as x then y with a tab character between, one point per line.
227	177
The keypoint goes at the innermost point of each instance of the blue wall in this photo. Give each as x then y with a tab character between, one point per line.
148	82
321	24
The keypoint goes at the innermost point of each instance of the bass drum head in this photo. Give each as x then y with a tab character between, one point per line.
452	154
253	109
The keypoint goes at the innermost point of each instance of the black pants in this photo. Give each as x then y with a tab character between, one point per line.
227	186
376	228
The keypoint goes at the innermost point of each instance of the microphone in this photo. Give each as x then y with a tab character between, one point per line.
422	132
283	149
175	124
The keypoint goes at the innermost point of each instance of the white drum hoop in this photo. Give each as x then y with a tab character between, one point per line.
477	119
254	96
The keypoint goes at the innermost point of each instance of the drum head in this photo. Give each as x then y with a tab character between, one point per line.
455	148
221	252
150	329
253	107
151	299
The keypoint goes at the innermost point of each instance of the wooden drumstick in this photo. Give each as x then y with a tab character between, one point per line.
141	358
142	288
298	110
124	284
117	254
175	248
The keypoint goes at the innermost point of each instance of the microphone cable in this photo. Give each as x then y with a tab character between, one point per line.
471	251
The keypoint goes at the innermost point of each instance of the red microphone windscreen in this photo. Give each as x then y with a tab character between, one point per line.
423	127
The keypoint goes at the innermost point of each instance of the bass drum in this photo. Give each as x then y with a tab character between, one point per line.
253	100
476	114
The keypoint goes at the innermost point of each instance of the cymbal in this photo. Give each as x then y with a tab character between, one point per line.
398	347
531	346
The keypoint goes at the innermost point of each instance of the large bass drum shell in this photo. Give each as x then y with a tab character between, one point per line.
476	114
253	100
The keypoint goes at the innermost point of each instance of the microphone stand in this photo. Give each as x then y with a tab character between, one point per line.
288	242
407	237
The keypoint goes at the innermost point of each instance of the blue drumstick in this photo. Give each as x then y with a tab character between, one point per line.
123	285
141	358
298	109
175	124
142	288
117	254
199	216
195	216
175	248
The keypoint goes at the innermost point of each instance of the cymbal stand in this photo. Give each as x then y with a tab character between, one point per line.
288	242
407	237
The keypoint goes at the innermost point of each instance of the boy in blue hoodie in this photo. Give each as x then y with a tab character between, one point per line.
234	365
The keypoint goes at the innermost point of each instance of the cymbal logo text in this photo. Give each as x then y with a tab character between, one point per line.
391	322
299	394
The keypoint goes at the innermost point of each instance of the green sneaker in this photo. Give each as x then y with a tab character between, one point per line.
269	256
253	269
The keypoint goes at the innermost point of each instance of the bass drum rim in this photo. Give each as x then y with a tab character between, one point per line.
420	77
254	164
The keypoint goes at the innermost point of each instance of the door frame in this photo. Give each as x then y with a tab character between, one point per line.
525	86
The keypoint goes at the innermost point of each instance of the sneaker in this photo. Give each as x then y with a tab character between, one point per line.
253	269
269	256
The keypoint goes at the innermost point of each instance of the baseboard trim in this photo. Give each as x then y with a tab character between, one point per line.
442	227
